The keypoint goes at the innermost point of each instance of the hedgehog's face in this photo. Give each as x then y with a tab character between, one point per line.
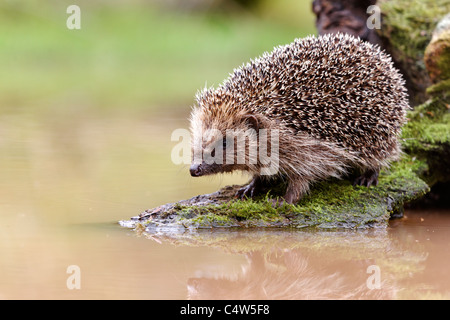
223	147
209	154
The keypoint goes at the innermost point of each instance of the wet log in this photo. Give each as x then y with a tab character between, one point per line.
331	204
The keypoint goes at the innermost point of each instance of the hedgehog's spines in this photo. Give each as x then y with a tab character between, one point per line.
336	100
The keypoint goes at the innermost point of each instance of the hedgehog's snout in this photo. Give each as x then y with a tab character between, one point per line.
196	170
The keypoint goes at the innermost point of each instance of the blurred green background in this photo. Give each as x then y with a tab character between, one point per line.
86	116
133	55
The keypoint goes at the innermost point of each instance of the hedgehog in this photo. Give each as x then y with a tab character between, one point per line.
336	103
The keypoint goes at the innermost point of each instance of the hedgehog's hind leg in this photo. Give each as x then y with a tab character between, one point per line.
296	189
368	178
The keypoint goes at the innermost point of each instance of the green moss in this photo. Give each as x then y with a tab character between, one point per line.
409	27
442	87
429	125
210	219
427	136
233	213
406	31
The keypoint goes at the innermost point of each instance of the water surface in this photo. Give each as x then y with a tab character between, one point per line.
66	181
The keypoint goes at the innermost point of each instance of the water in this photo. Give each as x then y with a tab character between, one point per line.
66	181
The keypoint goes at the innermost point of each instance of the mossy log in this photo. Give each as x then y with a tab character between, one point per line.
330	204
406	33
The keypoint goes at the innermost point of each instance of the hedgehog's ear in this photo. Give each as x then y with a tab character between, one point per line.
252	121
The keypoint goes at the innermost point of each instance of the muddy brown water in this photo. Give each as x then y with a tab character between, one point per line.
65	184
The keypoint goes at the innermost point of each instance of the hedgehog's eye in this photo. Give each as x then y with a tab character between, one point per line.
213	153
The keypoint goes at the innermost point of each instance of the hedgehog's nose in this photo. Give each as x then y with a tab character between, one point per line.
195	170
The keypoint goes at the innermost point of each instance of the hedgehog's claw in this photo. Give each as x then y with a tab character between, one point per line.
242	192
246	192
368	178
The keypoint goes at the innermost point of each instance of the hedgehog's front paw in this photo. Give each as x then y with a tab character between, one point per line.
246	192
250	190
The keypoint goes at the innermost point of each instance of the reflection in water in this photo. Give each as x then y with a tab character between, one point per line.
397	263
292	275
